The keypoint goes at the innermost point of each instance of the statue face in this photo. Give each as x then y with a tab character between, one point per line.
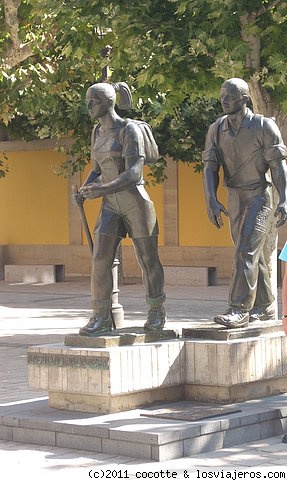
96	107
231	98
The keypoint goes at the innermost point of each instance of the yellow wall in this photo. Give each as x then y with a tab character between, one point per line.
33	199
195	229
156	195
34	204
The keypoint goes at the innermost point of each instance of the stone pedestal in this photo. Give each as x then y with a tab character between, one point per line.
109	379
236	371
122	371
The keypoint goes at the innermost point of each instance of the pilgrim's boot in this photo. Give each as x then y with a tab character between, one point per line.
262	314
233	318
156	315
101	320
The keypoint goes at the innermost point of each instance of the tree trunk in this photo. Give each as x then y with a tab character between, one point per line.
263	103
18	51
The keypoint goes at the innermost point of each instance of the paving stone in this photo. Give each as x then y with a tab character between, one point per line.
250	419
6	433
204	443
79	442
270	428
133	449
168	452
39	437
137	436
235	436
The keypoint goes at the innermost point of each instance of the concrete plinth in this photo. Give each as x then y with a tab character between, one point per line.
111	379
114	378
230	365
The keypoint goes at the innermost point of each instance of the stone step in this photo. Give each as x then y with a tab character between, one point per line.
136	434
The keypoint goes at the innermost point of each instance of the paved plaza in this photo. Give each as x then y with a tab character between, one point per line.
37	314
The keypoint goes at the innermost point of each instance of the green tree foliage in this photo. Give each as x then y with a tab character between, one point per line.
174	54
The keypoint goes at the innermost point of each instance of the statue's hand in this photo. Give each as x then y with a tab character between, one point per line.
214	213
281	212
92	190
77	199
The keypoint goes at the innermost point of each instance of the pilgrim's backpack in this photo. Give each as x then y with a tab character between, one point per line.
151	148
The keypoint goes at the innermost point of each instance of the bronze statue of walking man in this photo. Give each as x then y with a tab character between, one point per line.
246	146
117	155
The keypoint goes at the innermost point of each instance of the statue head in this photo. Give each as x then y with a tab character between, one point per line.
234	95
103	97
237	84
105	92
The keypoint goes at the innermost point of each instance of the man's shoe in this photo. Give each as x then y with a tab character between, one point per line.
96	325
262	314
233	318
156	319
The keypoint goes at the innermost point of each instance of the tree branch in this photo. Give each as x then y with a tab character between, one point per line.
17	52
253	57
264	9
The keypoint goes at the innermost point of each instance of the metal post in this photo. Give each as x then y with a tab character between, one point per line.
117	308
105	53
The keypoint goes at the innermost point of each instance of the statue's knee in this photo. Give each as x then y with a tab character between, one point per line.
244	255
101	262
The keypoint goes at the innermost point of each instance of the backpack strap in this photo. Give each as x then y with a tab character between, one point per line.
219	123
122	131
258	118
219	155
94	132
